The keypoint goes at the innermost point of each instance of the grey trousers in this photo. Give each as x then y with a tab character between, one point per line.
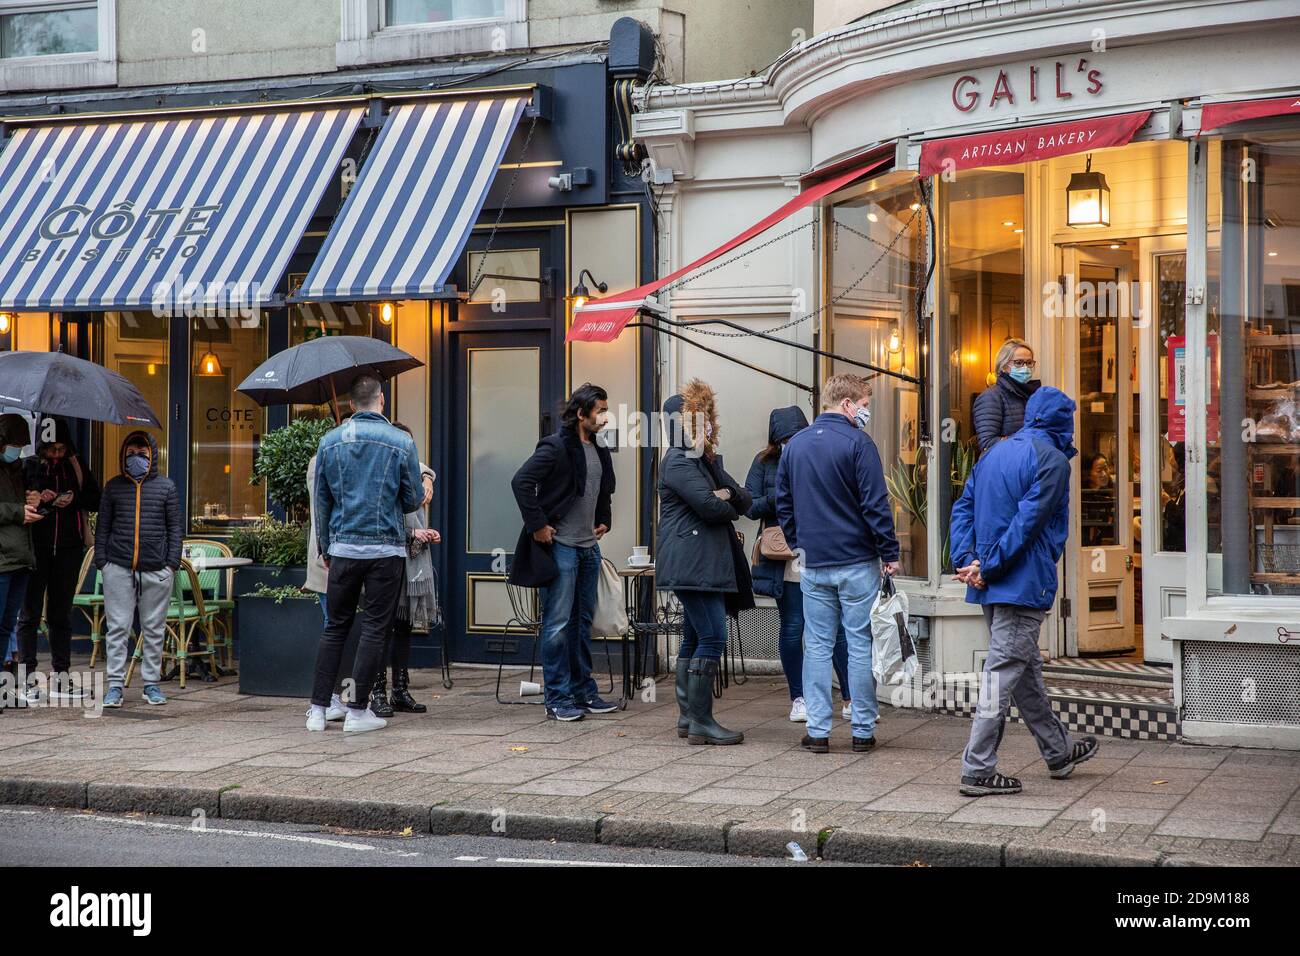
1013	672
120	605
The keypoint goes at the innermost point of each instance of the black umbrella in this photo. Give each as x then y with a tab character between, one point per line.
317	371
57	384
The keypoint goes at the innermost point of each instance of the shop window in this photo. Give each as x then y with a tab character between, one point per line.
1253	421
410	390
135	345
878	261
982	305
488	268
499	378
48	30
419	12
226	426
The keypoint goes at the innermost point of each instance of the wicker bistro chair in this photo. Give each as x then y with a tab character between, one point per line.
218	591
91	603
187	613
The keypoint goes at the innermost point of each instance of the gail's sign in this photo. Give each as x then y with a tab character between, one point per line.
1061	80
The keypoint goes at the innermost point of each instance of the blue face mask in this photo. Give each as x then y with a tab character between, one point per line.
862	417
137	466
1021	375
12	454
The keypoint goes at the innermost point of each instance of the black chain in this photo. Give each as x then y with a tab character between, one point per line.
834	300
501	210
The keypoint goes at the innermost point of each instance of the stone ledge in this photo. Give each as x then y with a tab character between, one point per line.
352	814
898	849
38	792
515	825
165	800
664	834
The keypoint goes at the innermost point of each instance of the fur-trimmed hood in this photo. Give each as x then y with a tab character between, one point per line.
693	418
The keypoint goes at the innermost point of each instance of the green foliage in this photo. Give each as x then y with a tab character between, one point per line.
907	485
268	541
285	592
282	461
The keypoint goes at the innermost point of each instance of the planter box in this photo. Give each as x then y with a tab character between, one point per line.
250	576
277	645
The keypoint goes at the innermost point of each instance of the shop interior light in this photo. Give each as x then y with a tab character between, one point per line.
209	364
1087	199
386	313
1008	222
581	295
915	206
6	323
151	369
872	217
895	341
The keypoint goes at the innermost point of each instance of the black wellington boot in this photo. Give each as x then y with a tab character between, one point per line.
683	704
699	690
379	705
402	699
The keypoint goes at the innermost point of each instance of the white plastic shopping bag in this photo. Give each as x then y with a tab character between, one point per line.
610	618
893	654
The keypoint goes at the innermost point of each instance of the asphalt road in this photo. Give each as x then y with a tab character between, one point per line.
44	837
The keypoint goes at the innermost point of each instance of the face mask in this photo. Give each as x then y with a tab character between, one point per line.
137	466
11	454
862	417
1021	375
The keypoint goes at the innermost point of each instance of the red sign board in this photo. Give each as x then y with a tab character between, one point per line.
1176	388
1030	143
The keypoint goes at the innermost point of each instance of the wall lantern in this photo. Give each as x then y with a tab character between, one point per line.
895	342
1087	199
6	323
386	313
209	365
581	294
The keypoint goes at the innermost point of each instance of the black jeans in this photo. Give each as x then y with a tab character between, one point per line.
401	639
382	580
52	586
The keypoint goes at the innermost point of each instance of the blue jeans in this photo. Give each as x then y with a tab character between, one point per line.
790	644
834	598
13	591
568	605
704	624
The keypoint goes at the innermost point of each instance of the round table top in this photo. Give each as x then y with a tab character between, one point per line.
631	569
204	563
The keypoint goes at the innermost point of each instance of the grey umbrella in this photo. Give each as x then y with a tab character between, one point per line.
316	372
57	384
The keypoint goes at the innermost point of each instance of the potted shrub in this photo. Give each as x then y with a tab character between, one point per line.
281	630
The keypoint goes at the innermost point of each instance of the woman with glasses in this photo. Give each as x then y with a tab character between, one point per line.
1000	408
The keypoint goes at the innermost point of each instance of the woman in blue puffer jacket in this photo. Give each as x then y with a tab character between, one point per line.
780	579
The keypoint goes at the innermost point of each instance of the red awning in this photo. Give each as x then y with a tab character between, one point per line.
603	319
1029	143
1214	115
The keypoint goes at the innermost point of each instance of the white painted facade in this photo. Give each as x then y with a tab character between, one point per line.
726	154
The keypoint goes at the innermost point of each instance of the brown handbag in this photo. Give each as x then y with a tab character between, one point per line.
772	544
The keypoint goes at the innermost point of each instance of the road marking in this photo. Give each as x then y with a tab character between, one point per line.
258	834
468	859
513	859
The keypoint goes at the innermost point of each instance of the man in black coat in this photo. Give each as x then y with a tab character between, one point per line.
138	549
564	492
68	492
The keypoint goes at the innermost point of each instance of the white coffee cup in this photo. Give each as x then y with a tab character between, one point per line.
529	689
641	551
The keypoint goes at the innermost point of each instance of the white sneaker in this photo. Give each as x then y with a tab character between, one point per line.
336	711
847	711
798	711
359	721
315	720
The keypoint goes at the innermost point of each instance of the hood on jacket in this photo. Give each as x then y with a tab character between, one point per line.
1051	411
698	417
784	422
14	430
139	438
62	436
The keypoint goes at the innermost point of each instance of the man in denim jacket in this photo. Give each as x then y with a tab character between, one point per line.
367	479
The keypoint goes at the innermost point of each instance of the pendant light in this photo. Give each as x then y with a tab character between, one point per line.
1087	199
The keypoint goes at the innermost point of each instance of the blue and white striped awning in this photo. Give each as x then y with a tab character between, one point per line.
416	200
159	213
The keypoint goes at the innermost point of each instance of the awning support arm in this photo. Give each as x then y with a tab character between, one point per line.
723	355
911	379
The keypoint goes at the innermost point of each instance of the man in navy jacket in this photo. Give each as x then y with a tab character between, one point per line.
1008	530
833	507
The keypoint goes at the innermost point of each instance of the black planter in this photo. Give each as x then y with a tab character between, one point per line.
250	576
277	645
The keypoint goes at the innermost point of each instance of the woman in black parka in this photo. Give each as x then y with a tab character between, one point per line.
1000	409
698	556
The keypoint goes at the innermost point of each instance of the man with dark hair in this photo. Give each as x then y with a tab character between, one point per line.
367	480
564	492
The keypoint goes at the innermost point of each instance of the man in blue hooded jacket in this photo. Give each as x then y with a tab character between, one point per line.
1007	533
